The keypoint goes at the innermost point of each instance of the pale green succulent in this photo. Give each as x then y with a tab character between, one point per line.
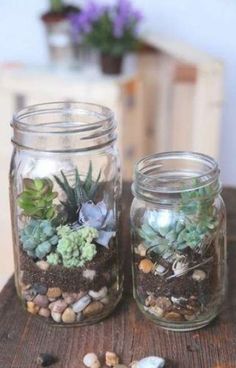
75	247
38	238
194	221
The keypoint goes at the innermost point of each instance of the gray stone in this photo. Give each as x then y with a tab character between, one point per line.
151	362
81	304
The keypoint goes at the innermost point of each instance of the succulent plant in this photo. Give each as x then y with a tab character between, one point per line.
80	192
36	200
75	247
165	232
38	238
100	218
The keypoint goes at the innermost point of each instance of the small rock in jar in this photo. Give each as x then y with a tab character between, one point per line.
199	275
141	250
54	292
41	300
32	307
146	265
43	265
68	315
44	312
163	302
93	309
58	306
174	316
81	304
97	295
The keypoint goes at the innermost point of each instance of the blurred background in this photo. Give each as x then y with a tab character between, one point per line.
167	70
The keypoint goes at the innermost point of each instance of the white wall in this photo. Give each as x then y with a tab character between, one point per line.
207	24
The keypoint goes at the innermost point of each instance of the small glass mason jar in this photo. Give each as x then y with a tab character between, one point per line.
65	192
178	239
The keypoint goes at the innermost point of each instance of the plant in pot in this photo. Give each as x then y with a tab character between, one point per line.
61	46
112	30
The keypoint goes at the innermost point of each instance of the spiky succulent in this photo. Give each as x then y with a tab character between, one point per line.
75	247
38	238
36	200
80	192
189	227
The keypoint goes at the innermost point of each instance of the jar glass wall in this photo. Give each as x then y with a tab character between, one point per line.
178	240
65	188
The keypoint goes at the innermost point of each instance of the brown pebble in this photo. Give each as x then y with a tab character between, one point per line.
93	309
32	308
54	292
111	359
174	316
68	316
41	300
44	312
146	265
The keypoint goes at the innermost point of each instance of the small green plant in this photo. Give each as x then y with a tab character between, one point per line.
56	6
80	192
36	200
193	224
38	238
75	247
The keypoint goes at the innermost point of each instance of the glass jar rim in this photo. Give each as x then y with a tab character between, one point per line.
63	126
153	176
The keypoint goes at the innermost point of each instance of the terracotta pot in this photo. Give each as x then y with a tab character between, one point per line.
111	64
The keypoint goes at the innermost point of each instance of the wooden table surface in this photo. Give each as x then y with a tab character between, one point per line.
126	331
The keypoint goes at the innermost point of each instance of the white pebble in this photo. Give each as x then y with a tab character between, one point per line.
89	274
81	304
56	316
151	362
91	360
97	295
199	275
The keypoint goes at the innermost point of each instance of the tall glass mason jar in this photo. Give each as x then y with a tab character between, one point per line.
178	239
65	192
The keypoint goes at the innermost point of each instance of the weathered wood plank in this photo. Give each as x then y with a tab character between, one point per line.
127	332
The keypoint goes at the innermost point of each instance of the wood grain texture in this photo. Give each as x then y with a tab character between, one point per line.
23	337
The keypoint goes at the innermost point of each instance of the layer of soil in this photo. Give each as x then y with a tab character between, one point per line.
182	286
72	279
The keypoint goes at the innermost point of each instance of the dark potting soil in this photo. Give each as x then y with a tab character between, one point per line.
182	286
72	279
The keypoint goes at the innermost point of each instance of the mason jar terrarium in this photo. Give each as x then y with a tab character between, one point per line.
65	189
178	240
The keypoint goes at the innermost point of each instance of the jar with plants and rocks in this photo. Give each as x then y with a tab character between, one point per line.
178	240
65	203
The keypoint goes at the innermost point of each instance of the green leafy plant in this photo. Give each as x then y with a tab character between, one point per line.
193	224
38	238
56	6
36	200
75	247
80	192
